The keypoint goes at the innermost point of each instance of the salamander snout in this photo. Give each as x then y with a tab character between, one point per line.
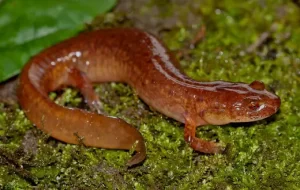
261	106
253	103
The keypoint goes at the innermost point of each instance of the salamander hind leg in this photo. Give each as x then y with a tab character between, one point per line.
79	80
198	144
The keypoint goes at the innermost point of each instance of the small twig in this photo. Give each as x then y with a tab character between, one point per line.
80	139
262	39
200	35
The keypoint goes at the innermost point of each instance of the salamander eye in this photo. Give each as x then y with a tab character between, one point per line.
257	85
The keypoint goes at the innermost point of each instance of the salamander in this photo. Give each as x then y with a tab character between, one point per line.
139	59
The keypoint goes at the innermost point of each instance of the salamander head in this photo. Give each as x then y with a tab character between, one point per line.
239	102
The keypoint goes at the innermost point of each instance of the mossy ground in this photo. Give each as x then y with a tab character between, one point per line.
260	155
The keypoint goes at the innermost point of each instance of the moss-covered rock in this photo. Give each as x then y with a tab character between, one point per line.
260	155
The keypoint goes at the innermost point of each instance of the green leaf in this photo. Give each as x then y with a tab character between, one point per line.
28	26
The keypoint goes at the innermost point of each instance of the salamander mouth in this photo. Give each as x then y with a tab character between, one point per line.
262	112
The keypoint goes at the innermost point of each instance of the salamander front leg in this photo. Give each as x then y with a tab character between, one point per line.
79	80
199	144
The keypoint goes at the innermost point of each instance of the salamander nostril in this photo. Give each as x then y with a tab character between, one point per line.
257	85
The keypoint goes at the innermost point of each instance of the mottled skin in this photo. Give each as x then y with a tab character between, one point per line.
139	59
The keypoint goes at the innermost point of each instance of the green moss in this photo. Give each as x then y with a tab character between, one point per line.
259	155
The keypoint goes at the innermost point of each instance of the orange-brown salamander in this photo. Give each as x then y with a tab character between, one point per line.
140	60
